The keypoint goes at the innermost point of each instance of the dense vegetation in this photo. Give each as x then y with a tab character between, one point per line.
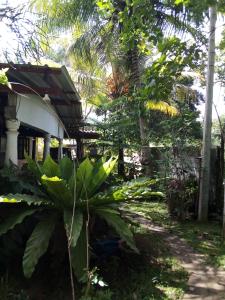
72	229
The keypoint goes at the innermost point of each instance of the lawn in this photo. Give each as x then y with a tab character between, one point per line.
205	238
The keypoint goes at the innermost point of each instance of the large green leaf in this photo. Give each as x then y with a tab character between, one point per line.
15	219
84	177
67	168
119	225
79	255
58	191
38	243
99	175
29	199
139	189
50	168
73	225
33	166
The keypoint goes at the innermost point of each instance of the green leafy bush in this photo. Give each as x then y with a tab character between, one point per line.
66	197
141	189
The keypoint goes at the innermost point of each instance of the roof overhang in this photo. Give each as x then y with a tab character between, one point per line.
56	82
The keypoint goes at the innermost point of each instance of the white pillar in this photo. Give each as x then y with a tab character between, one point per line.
11	153
30	146
47	140
60	149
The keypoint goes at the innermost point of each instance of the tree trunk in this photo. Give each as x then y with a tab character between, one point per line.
135	79
205	171
121	167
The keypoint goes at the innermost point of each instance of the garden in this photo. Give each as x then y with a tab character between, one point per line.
123	197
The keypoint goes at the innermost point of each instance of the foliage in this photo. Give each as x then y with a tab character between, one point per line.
153	211
16	180
67	193
154	274
3	78
205	238
99	295
218	130
182	197
8	292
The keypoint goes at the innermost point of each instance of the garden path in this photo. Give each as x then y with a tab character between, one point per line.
205	282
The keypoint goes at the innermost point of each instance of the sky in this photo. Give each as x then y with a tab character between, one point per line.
8	41
219	91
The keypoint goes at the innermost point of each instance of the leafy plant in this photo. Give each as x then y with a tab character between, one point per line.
68	195
141	189
182	197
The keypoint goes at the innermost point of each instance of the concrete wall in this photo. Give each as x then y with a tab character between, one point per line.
33	111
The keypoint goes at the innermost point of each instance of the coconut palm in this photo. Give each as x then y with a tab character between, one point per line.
116	31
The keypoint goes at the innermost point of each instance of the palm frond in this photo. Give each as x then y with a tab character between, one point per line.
162	106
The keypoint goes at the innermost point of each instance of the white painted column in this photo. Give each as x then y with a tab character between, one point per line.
60	149
11	153
47	140
30	146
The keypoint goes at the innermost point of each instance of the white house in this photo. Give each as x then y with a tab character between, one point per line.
43	102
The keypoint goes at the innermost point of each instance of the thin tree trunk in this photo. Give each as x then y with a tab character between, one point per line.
205	171
121	167
135	80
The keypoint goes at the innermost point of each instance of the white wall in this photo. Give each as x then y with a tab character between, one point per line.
33	111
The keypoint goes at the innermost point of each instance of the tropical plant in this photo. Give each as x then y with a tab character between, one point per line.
67	196
4	78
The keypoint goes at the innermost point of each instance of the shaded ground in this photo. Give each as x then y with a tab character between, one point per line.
152	274
205	282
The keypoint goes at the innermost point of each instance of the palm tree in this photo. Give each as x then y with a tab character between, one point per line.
117	25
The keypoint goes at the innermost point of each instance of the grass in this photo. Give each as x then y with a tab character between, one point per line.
153	211
204	238
152	275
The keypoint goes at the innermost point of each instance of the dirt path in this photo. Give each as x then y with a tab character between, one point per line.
204	282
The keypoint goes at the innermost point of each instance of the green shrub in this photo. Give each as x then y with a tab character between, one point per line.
66	197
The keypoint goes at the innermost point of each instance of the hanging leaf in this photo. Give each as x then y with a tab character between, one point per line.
37	244
79	255
15	219
163	107
119	225
73	225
